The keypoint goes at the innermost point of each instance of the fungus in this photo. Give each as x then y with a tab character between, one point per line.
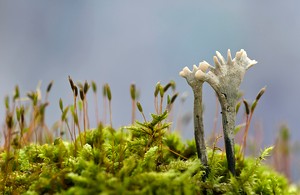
196	86
225	78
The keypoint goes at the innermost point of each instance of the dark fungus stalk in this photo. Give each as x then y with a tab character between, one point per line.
225	78
196	86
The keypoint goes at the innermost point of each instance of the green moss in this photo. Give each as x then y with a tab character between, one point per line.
98	167
144	158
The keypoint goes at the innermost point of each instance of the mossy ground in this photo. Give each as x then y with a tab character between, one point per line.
144	158
127	162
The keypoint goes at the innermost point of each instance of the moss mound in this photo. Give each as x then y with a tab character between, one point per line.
139	159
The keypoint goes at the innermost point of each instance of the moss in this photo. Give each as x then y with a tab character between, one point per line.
52	168
144	158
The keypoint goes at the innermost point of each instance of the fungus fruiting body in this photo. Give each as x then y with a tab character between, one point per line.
196	86
225	78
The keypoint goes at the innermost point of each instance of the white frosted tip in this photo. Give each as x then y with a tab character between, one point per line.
204	66
200	74
185	71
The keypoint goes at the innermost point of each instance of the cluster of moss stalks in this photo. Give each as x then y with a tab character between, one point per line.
143	158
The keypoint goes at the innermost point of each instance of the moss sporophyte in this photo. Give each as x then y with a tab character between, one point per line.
225	78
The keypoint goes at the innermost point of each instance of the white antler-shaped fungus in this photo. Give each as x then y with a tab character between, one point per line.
225	78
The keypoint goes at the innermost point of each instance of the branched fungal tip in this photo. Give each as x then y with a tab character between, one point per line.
185	71
200	75
226	76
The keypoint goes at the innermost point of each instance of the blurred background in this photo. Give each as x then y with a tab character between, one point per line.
143	42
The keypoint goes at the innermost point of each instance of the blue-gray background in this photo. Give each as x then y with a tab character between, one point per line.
143	42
